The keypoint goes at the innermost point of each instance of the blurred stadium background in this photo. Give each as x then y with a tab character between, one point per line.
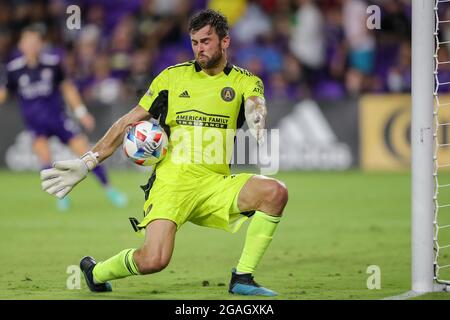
337	90
318	50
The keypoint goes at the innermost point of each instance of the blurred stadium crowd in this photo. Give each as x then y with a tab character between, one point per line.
300	48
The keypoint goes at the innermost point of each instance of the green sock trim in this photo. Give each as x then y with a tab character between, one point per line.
119	266
274	219
129	262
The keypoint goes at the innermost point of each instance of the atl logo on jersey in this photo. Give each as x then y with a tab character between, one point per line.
228	94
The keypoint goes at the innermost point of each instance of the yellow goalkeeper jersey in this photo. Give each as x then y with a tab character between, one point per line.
200	113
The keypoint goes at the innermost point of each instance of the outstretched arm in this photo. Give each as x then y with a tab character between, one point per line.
255	115
65	175
106	146
73	99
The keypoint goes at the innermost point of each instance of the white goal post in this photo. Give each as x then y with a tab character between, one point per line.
424	144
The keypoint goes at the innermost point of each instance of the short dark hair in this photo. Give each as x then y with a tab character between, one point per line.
38	28
210	17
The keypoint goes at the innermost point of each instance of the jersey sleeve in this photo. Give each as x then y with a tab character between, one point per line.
253	86
156	96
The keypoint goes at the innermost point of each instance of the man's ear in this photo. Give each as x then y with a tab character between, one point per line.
226	42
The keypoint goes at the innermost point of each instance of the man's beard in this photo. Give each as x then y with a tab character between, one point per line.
213	61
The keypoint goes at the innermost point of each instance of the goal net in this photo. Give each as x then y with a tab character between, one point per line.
441	143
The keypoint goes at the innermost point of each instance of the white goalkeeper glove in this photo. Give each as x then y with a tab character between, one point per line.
150	146
65	175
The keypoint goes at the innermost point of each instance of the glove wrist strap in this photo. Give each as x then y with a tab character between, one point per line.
90	160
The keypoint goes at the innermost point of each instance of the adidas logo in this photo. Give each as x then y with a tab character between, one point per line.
184	94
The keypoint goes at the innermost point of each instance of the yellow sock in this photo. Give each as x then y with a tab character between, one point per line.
259	236
119	266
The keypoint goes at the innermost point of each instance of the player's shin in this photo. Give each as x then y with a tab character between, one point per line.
259	235
119	266
100	173
117	198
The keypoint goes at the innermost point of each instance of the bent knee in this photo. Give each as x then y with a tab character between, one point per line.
151	264
278	192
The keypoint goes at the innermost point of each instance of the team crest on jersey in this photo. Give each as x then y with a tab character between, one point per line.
228	94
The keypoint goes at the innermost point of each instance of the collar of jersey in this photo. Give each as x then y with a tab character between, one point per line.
225	71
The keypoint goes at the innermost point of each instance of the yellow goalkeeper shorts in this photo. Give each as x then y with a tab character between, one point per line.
198	195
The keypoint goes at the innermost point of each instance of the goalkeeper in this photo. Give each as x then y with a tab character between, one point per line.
208	93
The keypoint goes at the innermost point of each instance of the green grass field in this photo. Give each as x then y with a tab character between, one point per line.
335	226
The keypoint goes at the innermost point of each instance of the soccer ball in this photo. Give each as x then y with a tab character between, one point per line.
137	135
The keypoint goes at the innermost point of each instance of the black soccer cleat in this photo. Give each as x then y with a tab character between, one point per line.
244	284
87	265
